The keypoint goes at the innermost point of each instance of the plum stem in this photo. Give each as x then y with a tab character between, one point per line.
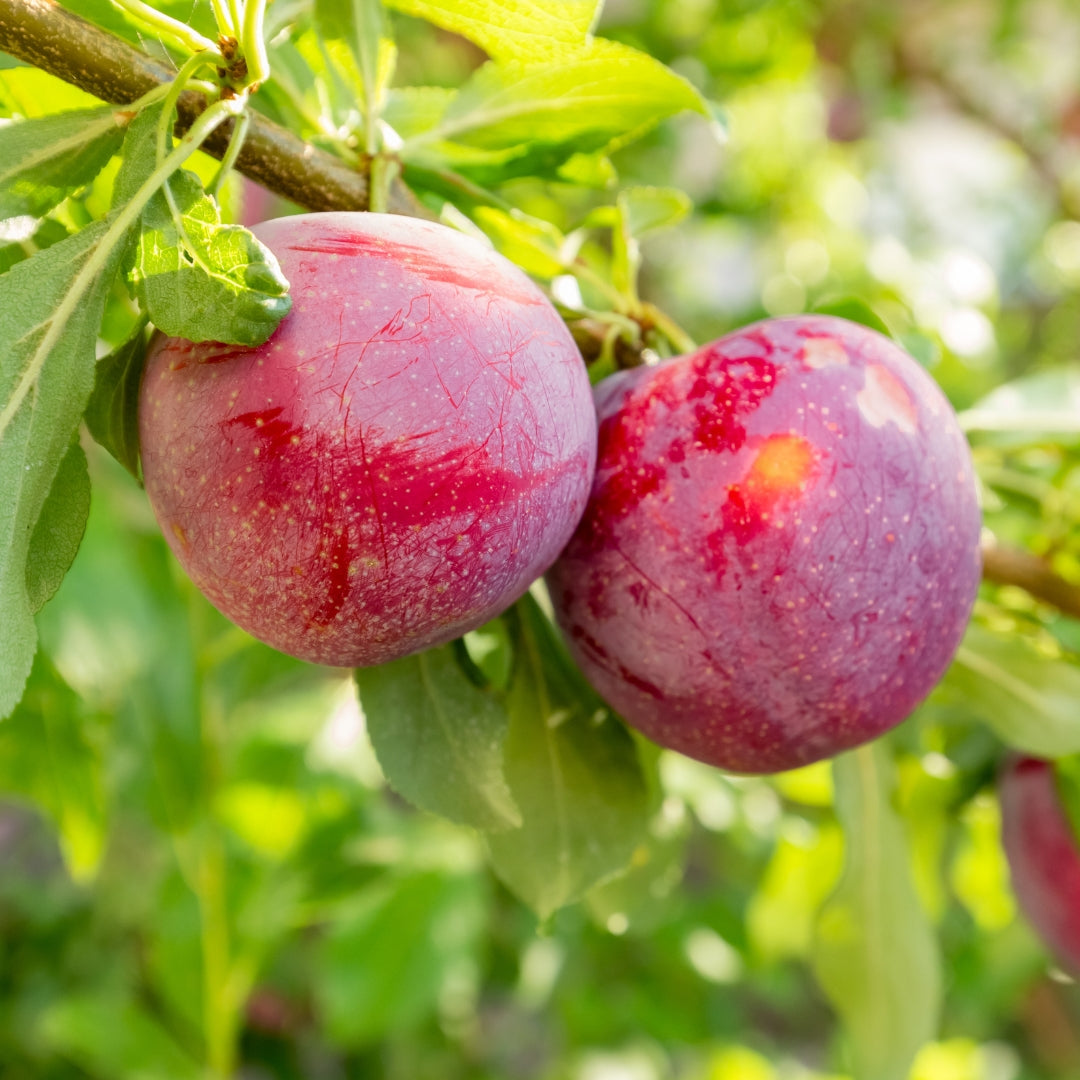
253	43
1004	565
236	144
160	23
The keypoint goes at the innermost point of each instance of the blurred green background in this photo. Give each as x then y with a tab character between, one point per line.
159	888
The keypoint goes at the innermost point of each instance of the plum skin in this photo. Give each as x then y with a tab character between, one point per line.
409	450
1043	854
781	548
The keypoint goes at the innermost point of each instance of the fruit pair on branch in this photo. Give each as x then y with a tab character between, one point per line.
770	558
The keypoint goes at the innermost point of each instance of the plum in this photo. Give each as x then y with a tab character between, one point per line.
409	450
781	548
1044	855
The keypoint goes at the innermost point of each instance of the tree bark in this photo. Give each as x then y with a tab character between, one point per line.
42	33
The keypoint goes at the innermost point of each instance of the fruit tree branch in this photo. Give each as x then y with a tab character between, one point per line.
42	33
1014	566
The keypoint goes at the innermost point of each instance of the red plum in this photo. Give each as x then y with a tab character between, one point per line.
409	450
1044	855
781	548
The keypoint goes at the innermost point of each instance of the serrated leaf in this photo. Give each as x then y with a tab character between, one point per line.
875	956
214	282
511	29
648	208
573	772
113	413
584	102
59	529
438	738
42	395
50	310
42	161
48	757
1028	698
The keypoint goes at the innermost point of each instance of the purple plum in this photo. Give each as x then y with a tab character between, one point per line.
409	450
781	548
1044	855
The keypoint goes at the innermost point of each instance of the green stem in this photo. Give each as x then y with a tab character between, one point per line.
180	32
206	123
172	96
583	272
669	328
218	1001
227	27
384	171
219	1006
253	44
236	144
236	17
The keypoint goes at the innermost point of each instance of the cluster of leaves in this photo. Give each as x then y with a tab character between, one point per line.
237	787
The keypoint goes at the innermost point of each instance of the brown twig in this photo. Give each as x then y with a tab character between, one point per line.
1014	566
42	33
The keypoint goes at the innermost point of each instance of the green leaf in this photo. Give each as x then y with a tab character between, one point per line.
533	244
361	25
608	92
1028	698
113	413
412	110
123	630
854	310
512	29
642	898
115	1039
490	649
43	392
384	968
875	956
573	772
646	209
1067	776
43	161
48	754
59	529
1045	403
47	233
208	281
802	872
31	92
438	738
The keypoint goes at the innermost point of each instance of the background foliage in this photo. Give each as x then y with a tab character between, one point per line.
201	863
